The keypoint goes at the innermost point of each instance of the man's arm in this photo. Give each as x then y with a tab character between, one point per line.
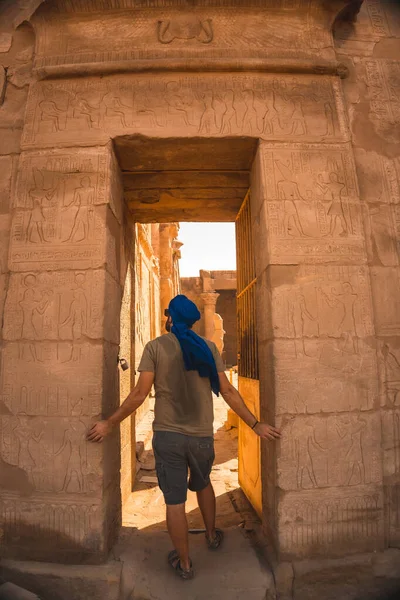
135	399
235	401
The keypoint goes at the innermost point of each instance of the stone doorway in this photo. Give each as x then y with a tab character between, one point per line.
168	181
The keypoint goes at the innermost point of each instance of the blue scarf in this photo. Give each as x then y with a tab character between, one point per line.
197	355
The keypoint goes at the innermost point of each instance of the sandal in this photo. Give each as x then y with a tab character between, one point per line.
217	541
175	563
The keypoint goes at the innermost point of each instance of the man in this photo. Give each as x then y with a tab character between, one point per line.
185	369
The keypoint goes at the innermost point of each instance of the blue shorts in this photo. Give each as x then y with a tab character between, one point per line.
176	455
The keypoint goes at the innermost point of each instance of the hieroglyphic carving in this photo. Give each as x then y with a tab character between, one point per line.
391	447
185	27
64	525
65	305
53	452
69	382
312	204
383	227
57	219
342	450
263	105
385	282
389	370
318	522
382	78
323	301
324	319
231	32
379	177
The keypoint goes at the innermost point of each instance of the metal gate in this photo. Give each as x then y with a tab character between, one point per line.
249	386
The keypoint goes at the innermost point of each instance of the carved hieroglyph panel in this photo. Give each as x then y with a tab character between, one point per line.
64	527
391	464
327	317
383	234
358	38
326	522
323	452
52	379
389	371
383	92
65	306
332	379
385	282
378	176
316	301
52	452
159	33
83	111
312	208
58	221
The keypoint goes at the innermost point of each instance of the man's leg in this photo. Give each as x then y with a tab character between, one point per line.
172	470
178	531
207	505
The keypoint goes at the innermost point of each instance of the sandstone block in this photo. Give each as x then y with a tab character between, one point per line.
69	306
61	582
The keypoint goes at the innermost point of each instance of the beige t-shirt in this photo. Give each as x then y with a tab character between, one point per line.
183	398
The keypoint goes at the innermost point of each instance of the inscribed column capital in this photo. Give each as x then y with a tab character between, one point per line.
209	298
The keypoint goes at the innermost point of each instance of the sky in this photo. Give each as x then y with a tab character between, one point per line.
208	246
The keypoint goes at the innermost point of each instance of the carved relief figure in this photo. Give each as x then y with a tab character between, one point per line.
229	118
250	118
288	191
24	433
80	108
82	207
39	196
304	439
75	441
391	374
208	121
179	102
298	313
50	110
33	306
185	27
351	428
112	105
347	300
334	189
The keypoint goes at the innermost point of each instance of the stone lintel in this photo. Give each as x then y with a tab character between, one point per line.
315	66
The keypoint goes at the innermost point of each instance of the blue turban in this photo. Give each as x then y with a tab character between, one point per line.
197	355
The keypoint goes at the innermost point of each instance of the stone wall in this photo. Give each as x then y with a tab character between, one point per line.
226	307
324	204
371	50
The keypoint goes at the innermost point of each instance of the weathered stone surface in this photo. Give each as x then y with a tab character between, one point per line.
66	306
385	283
59	582
164	34
324	204
311	208
334	522
265	106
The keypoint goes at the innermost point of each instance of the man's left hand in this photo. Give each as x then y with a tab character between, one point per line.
99	431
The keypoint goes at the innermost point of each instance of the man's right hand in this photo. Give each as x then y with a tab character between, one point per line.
99	431
267	432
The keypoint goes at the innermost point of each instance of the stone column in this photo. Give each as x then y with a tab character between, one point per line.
61	500
168	282
322	484
209	301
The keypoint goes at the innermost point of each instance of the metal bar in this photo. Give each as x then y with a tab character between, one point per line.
246	198
251	284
